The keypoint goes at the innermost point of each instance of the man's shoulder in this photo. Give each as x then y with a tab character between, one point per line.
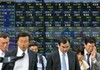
72	52
68	52
54	52
98	55
11	52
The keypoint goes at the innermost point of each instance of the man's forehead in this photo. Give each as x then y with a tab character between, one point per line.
26	37
67	43
91	43
4	38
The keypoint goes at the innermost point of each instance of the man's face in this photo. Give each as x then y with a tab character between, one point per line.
4	43
23	43
64	47
34	48
89	47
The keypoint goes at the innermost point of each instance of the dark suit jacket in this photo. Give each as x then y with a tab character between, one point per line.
32	60
53	61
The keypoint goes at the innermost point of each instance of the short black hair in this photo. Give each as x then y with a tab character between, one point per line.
78	48
89	39
4	35
62	39
34	44
23	34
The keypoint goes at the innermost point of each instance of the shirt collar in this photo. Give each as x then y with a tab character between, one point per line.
85	52
20	52
2	53
61	52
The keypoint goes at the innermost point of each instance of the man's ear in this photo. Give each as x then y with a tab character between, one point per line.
58	45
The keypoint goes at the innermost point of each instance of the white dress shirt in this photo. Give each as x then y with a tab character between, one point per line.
66	57
2	54
90	59
22	64
39	65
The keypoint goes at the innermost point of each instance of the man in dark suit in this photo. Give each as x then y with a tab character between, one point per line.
62	58
41	60
90	54
28	62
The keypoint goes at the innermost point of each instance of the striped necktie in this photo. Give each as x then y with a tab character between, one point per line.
88	56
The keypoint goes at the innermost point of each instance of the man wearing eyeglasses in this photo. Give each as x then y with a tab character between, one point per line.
63	58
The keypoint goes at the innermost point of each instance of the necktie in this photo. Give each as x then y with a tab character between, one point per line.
11	59
88	56
64	62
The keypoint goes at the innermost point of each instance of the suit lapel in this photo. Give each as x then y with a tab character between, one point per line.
70	60
32	60
57	61
86	61
14	52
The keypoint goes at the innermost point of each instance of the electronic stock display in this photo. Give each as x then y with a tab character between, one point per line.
47	19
